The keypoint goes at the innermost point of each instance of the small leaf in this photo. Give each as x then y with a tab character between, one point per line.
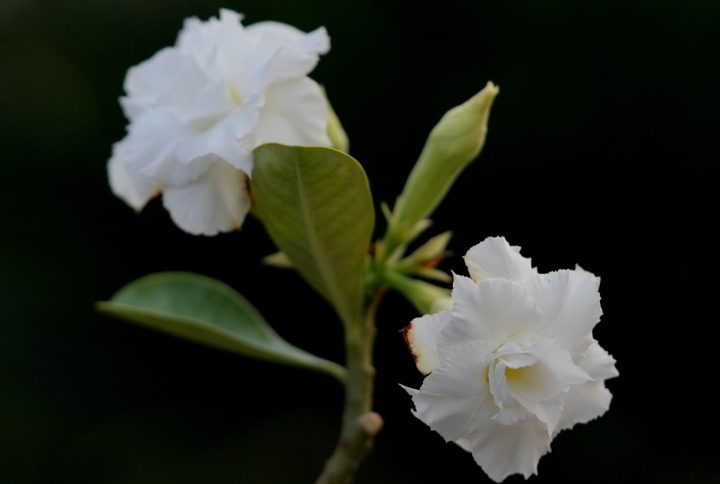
428	255
316	206
206	311
434	274
427	298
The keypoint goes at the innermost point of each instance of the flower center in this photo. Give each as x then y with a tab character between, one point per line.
235	94
523	378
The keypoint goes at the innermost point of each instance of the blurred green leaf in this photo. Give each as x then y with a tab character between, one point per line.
317	208
206	311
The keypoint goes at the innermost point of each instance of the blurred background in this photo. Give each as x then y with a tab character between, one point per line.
600	152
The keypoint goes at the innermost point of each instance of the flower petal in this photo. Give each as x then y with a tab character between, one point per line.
316	42
202	40
217	202
489	311
295	113
569	302
509	409
529	376
297	53
584	403
552	374
598	363
129	184
199	103
221	140
421	337
502	450
150	149
539	387
169	80
453	394
494	257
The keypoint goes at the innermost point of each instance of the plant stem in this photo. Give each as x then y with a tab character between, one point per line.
360	424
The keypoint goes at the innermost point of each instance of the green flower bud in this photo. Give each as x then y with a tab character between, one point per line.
454	142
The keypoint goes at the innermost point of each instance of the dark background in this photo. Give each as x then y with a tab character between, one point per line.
602	150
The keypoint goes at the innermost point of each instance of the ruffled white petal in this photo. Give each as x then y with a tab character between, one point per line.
169	81
589	401
464	444
128	184
312	43
502	450
202	40
151	141
552	373
598	363
295	113
584	403
569	302
224	140
453	394
152	145
421	336
217	202
494	257
296	53
513	362
217	94
528	377
595	278
492	310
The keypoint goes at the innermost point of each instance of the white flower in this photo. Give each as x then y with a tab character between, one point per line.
199	108
513	362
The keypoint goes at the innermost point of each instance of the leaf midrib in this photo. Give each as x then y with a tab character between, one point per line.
318	255
271	350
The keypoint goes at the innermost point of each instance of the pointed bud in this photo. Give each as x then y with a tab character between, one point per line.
454	142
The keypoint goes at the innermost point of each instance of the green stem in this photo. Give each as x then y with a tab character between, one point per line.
360	424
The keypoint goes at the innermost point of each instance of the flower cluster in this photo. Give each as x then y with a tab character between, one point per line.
199	108
513	362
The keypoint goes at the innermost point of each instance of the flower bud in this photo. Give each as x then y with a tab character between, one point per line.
454	142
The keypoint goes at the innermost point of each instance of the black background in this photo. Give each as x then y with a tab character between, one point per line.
602	151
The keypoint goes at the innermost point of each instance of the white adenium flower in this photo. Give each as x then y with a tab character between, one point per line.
199	108
513	362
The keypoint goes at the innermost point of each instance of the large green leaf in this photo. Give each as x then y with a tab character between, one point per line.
317	208
204	310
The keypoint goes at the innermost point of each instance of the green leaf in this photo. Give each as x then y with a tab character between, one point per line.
206	311
316	206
